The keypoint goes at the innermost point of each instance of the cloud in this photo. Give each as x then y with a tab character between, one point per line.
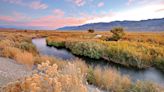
46	22
100	4
138	13
38	5
129	2
15	17
33	5
79	2
7	19
160	10
18	2
56	22
58	12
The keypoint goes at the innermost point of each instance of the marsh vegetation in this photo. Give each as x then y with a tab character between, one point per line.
56	75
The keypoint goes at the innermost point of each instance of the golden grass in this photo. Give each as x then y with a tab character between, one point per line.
57	75
10	52
110	80
25	58
51	79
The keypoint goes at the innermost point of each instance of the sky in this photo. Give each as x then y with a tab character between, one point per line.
52	14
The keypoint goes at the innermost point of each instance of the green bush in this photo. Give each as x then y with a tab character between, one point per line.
160	63
145	87
90	76
56	44
28	47
91	31
118	33
89	49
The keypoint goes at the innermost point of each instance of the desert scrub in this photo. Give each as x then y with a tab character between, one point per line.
140	86
22	57
160	64
109	79
57	42
88	48
137	54
48	78
41	59
28	47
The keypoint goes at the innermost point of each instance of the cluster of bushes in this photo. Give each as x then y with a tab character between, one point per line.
18	47
89	49
58	42
136	54
72	77
112	81
49	78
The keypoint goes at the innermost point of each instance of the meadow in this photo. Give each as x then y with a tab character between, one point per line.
140	50
56	75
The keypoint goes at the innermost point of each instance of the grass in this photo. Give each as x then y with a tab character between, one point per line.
135	53
25	58
109	79
51	79
56	75
73	76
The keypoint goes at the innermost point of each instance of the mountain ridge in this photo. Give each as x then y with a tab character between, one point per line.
142	25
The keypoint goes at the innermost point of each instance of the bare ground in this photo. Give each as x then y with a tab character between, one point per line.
11	71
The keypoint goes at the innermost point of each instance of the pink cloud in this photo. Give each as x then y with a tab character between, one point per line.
7	19
33	5
19	2
100	4
160	10
15	17
38	5
79	2
58	12
54	22
129	2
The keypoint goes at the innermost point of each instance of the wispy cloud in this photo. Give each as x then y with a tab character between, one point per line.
129	2
100	4
53	22
14	17
79	2
138	13
58	12
33	5
7	19
37	5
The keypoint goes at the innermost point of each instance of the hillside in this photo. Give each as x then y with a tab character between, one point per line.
143	25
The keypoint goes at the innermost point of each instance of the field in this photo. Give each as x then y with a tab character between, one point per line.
137	50
140	50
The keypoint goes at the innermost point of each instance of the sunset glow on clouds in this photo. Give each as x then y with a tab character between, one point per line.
52	14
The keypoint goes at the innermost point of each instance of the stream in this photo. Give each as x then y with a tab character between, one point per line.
149	74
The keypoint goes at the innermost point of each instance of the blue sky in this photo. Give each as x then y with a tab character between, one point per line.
52	14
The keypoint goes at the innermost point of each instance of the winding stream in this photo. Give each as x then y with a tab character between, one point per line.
150	74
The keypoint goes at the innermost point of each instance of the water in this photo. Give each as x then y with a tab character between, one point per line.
149	74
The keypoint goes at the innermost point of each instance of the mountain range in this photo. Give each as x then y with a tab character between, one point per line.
143	25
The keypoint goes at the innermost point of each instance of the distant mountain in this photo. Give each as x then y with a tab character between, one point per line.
143	25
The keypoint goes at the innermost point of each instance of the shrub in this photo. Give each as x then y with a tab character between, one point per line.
52	60
28	47
160	64
91	30
48	78
109	79
25	58
89	49
146	87
118	33
10	52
